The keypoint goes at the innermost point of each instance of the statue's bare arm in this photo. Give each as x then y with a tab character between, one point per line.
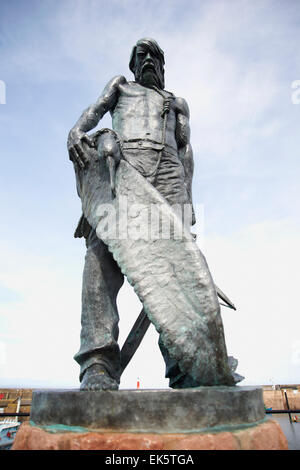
184	146
90	119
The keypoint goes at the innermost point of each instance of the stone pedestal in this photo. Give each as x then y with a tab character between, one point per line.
198	418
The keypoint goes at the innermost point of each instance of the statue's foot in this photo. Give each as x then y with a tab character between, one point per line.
96	377
233	363
186	381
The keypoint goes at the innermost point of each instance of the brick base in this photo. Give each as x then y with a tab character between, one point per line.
264	436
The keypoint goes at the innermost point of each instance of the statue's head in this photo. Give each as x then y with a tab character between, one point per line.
147	63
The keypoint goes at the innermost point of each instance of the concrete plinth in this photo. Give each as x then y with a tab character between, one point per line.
197	418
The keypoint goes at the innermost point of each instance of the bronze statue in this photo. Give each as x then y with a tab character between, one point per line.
147	158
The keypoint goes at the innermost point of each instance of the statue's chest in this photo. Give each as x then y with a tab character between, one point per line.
139	101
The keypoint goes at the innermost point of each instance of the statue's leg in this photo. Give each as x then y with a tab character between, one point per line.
176	378
99	354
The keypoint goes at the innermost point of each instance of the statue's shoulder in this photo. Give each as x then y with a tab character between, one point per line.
116	81
182	106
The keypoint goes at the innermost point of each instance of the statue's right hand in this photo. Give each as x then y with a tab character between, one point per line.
77	153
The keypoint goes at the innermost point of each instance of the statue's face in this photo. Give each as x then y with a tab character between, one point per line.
147	66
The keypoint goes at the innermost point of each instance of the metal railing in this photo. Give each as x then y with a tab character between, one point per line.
289	411
282	411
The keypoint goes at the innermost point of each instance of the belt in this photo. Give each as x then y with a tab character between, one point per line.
148	145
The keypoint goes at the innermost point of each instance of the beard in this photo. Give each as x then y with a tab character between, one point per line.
149	77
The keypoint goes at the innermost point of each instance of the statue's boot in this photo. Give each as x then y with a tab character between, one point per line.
177	379
96	378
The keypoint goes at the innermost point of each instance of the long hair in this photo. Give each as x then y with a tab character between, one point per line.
157	52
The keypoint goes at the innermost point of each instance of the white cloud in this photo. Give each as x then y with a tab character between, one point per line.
41	329
40	332
258	268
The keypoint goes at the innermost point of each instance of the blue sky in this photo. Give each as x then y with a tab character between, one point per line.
234	62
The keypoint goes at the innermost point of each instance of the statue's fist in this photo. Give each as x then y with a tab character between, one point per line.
77	153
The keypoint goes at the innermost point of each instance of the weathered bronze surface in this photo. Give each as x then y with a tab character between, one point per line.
174	411
142	167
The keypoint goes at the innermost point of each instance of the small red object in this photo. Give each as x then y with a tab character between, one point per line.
1	396
8	434
138	384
